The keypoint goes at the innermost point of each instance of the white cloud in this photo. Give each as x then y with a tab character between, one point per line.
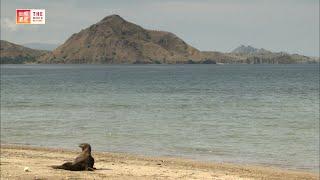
9	24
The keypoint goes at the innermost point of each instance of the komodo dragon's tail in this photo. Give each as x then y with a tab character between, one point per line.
65	166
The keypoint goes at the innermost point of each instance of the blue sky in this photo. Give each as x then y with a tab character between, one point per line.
215	25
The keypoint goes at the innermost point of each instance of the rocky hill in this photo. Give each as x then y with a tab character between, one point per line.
115	40
11	53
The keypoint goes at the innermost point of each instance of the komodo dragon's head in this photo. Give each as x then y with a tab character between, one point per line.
85	147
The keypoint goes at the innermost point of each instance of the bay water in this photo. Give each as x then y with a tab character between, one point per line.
247	114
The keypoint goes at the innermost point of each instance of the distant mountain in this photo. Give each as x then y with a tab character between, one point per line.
249	50
252	55
41	46
115	40
11	53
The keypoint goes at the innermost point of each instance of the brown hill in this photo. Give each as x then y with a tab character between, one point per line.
114	40
11	53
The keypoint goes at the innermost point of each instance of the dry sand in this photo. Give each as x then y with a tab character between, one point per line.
14	159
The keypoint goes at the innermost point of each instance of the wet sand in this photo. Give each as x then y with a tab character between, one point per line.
14	159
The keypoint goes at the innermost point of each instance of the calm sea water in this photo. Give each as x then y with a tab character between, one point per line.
252	114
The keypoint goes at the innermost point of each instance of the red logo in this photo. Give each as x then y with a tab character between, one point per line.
23	16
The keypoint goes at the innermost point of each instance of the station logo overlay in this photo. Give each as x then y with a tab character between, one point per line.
30	16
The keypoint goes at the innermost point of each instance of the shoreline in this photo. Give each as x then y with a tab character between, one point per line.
111	165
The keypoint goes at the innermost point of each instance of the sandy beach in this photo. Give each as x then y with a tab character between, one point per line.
14	160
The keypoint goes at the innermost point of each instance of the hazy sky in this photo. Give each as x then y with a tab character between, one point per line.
220	25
